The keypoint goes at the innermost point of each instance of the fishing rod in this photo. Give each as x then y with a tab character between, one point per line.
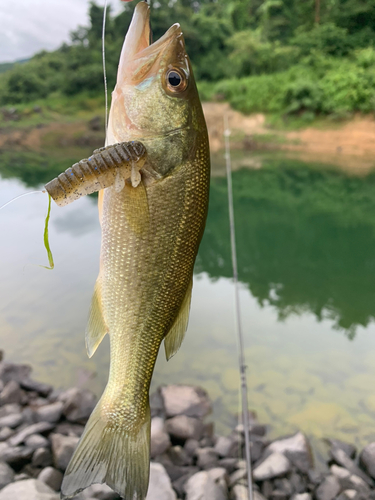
237	316
104	67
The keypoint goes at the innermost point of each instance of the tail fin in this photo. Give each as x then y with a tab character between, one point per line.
113	455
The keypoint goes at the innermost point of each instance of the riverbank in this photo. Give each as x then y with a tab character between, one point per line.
349	145
40	427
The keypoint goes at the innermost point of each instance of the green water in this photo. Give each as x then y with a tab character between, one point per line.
306	255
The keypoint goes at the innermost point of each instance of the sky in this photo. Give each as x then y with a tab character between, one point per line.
28	26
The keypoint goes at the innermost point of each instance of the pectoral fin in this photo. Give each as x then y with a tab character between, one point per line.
176	334
136	208
96	327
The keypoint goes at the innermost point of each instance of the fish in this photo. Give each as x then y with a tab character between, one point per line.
150	238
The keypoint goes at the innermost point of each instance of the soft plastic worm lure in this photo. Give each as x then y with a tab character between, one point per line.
107	166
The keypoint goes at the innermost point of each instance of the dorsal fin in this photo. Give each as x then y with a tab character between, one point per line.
176	334
96	327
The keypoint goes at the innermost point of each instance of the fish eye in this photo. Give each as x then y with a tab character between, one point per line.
176	80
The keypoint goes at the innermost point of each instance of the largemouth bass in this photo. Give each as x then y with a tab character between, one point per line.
150	239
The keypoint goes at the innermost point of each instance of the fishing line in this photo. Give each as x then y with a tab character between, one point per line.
104	68
238	326
19	196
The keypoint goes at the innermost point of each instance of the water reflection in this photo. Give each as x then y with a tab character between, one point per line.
305	241
306	254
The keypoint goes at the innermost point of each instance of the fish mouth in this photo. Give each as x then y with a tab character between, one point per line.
137	47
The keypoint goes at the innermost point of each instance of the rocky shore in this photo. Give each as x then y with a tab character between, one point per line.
40	427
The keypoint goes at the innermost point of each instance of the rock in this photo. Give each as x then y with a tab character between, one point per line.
298	482
38	428
342	459
42	457
12	421
16	456
202	487
6	474
183	427
21	477
10	409
95	123
185	400
178	456
237	476
160	441
349	481
367	459
51	477
274	465
31	385
50	413
156	405
191	446
229	464
30	489
62	449
100	491
11	371
160	487
29	416
6	433
36	441
349	495
220	476
256	449
349	449
11	393
70	429
78	404
226	447
302	496
207	458
296	448
328	489
241	492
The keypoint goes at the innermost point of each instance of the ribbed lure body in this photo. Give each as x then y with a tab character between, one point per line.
107	166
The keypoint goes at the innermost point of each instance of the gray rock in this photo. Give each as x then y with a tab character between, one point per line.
50	413
11	393
350	481
6	474
30	489
296	448
302	496
69	429
220	476
237	476
349	449
226	447
202	487
78	404
51	477
6	433
10	409
240	492
15	456
207	458
99	491
185	400
160	441
160	487
342	459
21	477
256	449
42	457
183	427
367	459
38	428
12	421
178	456
298	482
274	465
36	441
31	385
349	495
62	449
156	405
229	464
11	371
328	489
191	446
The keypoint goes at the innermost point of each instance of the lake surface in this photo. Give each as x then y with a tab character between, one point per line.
306	255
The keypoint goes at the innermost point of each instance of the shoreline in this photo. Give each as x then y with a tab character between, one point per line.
348	145
40	427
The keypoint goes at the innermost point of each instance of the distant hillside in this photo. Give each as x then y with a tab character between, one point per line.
9	65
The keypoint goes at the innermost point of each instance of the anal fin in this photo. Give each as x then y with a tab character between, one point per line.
176	334
96	327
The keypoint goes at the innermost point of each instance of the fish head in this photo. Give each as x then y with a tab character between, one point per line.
155	100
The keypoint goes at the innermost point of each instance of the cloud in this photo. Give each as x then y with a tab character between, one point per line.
30	26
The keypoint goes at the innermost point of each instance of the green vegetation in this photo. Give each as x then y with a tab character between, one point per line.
284	57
